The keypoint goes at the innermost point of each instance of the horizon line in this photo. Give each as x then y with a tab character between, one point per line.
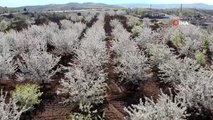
108	4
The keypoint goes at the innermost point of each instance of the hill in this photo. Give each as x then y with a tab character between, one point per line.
6	10
67	6
168	6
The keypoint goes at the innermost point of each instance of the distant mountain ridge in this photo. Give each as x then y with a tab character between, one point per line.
168	6
67	6
75	5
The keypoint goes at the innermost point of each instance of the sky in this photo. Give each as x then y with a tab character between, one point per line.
17	3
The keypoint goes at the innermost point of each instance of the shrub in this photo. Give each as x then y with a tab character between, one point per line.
190	47
78	26
205	42
41	19
177	39
120	12
131	61
210	28
9	109
200	57
38	66
122	46
165	109
19	23
88	113
96	31
159	53
92	53
146	22
1	34
136	31
185	31
66	40
133	21
7	64
83	86
193	83
118	32
86	80
132	67
146	35
4	25
139	11
25	41
66	24
197	90
186	41
115	23
74	17
89	17
27	95
111	12
211	42
122	42
174	70
51	26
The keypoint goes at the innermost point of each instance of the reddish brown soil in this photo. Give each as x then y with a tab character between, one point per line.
89	25
114	90
119	95
50	112
123	20
51	108
203	114
209	57
153	86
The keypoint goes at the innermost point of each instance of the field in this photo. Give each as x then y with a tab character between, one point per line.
104	65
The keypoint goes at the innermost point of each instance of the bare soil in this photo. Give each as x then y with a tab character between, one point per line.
119	95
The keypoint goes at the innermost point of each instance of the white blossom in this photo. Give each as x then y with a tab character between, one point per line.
66	40
38	66
197	90
83	86
9	110
133	21
174	70
146	22
146	35
26	41
184	39
120	12
122	42
159	53
92	52
165	109
74	17
132	67
131	61
7	63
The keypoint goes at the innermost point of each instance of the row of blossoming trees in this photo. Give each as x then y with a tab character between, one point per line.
183	60
34	54
181	54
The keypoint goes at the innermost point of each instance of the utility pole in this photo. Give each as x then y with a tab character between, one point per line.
181	10
150	8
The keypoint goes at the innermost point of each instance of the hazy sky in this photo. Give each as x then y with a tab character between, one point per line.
15	3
